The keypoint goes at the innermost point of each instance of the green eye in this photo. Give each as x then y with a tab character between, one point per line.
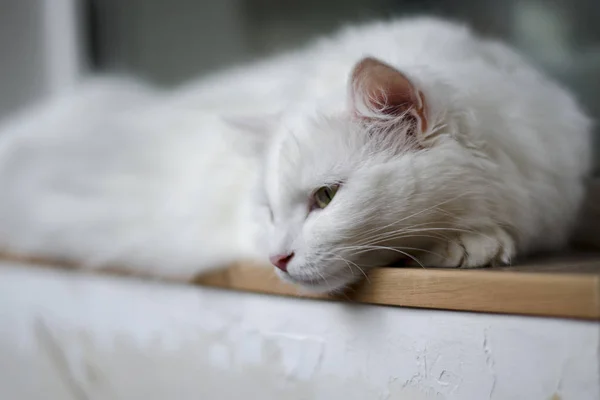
324	195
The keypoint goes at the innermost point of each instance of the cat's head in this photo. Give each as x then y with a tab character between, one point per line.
377	182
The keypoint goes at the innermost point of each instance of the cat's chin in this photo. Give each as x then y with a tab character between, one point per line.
331	285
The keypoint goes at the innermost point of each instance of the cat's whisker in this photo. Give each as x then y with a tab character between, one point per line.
403	230
387	235
384	235
395	250
365	249
357	266
407	234
416	213
394	236
336	256
324	279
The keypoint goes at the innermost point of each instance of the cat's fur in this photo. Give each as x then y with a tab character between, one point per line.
450	151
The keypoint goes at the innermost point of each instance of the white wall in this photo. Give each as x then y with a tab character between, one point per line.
40	53
168	42
69	336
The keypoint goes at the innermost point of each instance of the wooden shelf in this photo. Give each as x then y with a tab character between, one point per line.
564	286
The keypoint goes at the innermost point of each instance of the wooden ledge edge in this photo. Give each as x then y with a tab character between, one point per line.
546	294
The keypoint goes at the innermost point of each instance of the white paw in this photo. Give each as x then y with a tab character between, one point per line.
469	250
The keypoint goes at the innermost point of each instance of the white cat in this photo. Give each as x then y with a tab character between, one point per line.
412	139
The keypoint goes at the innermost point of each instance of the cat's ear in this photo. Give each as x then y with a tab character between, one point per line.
379	92
252	133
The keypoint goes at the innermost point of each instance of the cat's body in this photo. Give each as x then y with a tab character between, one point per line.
444	148
112	176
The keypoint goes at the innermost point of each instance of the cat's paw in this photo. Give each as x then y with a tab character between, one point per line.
470	250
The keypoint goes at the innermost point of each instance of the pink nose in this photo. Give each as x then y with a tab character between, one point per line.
281	261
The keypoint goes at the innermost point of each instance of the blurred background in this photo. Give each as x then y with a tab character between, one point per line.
47	45
77	337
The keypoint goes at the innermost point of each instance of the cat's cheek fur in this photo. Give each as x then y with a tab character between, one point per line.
331	277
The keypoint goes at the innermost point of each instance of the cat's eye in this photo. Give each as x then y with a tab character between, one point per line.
323	196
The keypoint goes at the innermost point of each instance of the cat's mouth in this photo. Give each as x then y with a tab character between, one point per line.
321	284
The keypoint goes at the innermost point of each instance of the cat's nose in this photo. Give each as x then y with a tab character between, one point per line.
281	261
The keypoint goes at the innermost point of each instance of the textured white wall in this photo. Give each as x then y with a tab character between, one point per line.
68	336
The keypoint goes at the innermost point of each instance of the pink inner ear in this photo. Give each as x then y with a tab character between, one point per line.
379	90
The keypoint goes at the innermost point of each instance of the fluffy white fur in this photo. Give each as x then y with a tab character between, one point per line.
450	151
